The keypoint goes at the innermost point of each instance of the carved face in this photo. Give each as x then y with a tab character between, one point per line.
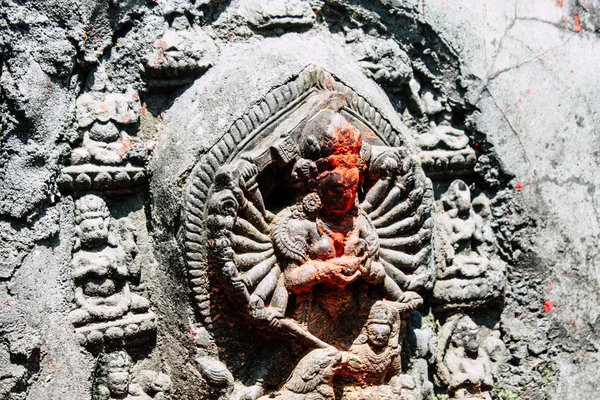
460	196
118	382
93	232
337	189
379	334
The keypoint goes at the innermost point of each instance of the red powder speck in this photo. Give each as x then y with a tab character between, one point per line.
548	307
519	100
577	27
518	187
559	3
528	91
572	71
573	323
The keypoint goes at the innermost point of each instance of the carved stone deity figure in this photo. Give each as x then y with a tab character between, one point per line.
372	364
102	267
313	271
116	381
114	376
102	117
467	356
466	275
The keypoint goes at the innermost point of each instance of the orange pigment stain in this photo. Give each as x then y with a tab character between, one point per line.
577	27
124	146
548	306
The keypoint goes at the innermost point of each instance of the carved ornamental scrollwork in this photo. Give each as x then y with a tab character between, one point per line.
315	217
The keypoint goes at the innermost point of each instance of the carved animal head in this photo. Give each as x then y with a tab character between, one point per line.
316	368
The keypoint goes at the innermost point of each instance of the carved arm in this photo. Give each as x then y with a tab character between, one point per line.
339	271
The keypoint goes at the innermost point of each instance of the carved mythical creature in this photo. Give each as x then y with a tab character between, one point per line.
312	378
101	267
358	227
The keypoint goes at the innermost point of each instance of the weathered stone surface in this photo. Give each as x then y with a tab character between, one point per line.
501	95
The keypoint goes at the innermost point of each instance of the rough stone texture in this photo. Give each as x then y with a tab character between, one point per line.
528	70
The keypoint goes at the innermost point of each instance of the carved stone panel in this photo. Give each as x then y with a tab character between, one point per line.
317	230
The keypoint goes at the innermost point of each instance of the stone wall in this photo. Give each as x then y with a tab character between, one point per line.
110	108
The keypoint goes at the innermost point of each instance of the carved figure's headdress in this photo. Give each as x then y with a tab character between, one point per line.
90	206
457	196
381	313
331	141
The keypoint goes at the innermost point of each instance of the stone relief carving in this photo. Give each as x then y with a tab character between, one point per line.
109	158
357	232
445	151
108	311
467	357
179	56
312	213
115	380
466	274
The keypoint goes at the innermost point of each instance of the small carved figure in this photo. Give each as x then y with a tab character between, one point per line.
180	55
114	377
99	115
115	380
374	358
466	276
101	267
445	151
467	355
385	62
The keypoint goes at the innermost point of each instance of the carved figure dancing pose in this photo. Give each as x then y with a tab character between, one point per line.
312	268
